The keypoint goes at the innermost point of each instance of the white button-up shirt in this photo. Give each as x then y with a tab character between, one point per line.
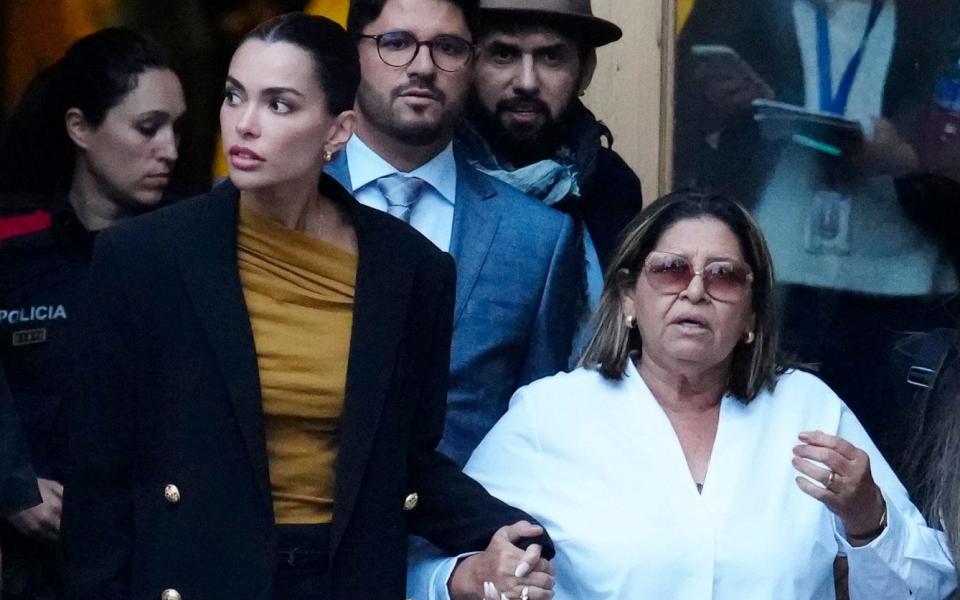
599	464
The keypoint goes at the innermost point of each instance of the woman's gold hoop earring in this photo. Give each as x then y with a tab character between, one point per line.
750	338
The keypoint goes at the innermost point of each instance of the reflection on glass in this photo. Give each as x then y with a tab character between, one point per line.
837	122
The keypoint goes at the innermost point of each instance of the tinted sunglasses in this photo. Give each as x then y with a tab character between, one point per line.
724	280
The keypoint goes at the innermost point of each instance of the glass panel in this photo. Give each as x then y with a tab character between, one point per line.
837	122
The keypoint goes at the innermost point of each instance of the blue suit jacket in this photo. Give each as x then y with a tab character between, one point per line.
518	300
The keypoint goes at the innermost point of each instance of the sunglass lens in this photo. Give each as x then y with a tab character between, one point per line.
668	273
725	281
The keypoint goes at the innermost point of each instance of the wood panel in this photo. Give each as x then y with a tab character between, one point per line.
628	89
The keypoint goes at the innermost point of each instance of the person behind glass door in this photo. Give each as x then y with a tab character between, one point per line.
681	461
278	358
93	142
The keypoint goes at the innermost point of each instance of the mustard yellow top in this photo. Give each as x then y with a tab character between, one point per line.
299	292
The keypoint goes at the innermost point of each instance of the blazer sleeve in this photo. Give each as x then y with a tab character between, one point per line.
454	512
561	306
97	529
507	464
18	483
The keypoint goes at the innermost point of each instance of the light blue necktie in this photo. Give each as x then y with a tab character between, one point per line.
402	193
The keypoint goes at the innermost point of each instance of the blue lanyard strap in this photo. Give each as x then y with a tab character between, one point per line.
829	102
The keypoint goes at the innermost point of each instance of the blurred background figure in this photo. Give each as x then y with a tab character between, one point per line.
859	245
92	142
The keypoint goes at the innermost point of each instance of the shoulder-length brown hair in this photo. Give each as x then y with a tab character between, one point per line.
755	366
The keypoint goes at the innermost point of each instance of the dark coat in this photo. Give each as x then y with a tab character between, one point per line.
174	398
611	198
18	484
41	289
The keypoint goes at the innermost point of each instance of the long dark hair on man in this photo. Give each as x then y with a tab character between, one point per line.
95	74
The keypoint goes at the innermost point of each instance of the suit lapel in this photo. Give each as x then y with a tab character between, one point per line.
208	263
474	228
381	301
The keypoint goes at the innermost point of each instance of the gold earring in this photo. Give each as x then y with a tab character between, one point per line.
750	338
631	321
327	156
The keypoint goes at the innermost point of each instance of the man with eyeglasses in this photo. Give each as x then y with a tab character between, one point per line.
517	299
525	123
517	262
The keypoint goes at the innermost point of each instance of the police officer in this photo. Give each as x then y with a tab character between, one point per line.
93	141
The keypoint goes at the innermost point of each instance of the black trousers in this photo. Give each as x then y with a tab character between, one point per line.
303	563
31	569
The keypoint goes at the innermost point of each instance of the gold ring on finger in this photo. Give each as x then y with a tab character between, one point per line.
525	593
833	475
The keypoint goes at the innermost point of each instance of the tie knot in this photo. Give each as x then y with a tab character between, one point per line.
401	191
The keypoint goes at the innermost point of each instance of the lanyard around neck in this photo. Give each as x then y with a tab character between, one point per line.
837	104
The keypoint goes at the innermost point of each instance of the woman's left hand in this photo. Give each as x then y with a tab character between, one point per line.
848	487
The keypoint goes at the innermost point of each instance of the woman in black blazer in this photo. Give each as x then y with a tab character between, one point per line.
178	477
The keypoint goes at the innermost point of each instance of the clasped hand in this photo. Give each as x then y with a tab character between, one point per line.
41	522
503	570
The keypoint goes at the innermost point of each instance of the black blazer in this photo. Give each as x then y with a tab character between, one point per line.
173	397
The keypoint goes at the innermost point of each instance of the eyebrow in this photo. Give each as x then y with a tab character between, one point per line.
270	91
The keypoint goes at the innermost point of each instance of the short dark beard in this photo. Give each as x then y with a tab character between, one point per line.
380	114
521	146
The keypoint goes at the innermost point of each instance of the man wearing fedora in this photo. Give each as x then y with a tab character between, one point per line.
526	125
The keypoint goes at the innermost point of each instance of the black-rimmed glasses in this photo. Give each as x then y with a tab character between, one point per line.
399	48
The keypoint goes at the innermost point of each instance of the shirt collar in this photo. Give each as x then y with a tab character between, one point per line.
366	166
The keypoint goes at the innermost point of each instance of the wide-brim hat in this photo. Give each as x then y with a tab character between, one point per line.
594	30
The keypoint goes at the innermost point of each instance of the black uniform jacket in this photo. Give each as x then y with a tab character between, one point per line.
173	398
42	282
18	484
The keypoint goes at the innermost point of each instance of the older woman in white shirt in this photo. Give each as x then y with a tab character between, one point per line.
681	462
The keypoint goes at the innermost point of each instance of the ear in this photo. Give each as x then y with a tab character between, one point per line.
587	69
340	132
77	127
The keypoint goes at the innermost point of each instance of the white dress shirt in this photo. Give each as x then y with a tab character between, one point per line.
599	464
433	214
